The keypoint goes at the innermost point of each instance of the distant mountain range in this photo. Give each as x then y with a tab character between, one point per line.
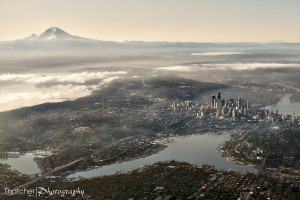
57	34
56	39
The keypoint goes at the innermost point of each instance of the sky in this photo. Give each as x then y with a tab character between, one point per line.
155	20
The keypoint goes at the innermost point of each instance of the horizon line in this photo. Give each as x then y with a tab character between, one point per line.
156	41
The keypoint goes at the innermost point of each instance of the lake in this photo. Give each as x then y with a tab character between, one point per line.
285	106
24	163
196	149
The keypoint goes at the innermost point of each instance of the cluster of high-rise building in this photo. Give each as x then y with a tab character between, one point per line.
240	109
232	109
196	108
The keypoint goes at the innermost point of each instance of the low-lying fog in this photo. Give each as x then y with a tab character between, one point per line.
34	77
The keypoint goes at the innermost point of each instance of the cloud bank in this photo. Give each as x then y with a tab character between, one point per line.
55	87
248	66
67	78
228	66
216	53
176	68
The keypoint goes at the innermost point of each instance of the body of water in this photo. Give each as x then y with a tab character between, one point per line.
196	149
24	163
285	106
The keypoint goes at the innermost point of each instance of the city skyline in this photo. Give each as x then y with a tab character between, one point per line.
182	21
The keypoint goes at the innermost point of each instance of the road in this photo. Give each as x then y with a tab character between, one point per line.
262	166
50	173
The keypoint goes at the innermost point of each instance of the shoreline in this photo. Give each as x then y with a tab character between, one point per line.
225	154
163	143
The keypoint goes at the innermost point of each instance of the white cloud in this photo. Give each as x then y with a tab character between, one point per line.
106	81
229	66
248	66
176	68
53	92
60	78
216	53
64	89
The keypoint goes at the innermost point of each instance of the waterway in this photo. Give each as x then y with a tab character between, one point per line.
196	149
23	163
285	106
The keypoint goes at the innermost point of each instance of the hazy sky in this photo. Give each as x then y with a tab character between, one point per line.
155	20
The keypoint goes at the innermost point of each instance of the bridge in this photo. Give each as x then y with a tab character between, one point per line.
50	173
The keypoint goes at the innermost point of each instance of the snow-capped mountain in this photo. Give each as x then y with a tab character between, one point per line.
53	34
56	40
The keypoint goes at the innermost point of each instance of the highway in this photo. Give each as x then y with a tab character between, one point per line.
50	173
